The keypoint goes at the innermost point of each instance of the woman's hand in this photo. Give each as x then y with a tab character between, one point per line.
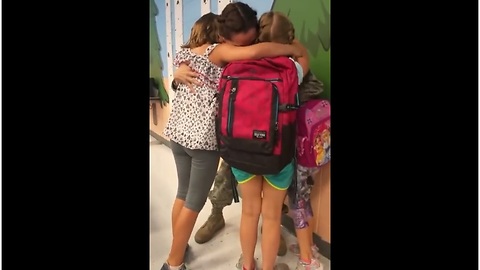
185	75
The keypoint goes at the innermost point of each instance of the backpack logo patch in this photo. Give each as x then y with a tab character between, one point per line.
259	134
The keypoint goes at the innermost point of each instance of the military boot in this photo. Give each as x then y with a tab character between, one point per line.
212	226
282	247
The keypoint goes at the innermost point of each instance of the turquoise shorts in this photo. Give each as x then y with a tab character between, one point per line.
281	180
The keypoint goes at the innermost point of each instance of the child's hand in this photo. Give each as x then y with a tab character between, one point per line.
297	50
303	59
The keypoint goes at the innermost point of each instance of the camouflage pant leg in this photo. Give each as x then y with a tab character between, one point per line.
221	195
310	88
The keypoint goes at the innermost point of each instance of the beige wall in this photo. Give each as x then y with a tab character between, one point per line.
321	203
162	118
161	113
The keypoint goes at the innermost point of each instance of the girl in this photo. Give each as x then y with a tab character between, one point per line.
191	126
276	27
264	194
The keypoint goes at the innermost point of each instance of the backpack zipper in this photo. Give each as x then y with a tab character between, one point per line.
252	78
277	101
231	100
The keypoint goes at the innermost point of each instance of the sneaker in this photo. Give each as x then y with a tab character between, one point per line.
165	266
239	264
295	249
314	265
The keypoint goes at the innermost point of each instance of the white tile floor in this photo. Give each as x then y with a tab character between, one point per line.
223	250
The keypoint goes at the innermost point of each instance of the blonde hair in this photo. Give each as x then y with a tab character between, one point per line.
276	27
204	30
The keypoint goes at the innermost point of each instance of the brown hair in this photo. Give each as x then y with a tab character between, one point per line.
236	17
204	30
276	27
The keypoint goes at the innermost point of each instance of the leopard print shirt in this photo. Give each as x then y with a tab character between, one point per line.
192	119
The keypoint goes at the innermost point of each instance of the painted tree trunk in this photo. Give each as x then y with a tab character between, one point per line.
156	64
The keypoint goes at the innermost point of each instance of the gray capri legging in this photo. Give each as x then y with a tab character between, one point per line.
196	170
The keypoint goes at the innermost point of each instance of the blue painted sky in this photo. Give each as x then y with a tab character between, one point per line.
191	12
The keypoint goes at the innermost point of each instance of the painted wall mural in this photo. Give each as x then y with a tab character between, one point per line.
156	64
311	20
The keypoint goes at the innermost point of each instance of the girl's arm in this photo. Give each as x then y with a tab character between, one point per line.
225	53
302	60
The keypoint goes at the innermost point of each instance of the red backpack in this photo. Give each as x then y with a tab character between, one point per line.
256	117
